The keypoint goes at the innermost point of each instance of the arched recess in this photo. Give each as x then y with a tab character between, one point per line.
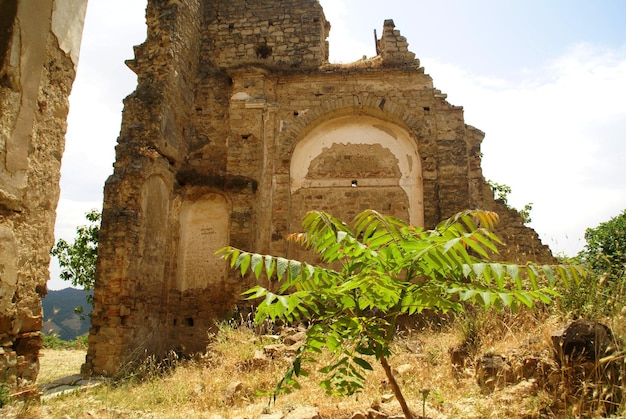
355	162
204	228
155	205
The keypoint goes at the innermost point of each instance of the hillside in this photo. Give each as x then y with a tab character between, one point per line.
59	316
236	375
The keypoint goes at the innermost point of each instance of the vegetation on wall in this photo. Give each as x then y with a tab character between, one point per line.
502	192
376	270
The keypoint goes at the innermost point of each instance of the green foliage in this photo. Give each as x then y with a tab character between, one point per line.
605	251
78	260
5	397
53	341
377	269
595	298
502	193
603	293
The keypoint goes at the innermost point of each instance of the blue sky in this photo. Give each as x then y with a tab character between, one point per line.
544	79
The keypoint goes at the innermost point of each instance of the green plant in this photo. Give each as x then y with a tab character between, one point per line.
424	392
502	192
603	293
78	260
605	250
82	341
52	341
376	270
5	397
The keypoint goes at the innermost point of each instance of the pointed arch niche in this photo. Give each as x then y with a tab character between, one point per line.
353	163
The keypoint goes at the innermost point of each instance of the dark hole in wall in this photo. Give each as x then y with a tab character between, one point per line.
8	13
426	109
355	183
263	51
189	321
245	136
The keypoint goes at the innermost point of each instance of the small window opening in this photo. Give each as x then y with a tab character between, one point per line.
263	51
355	183
245	136
189	321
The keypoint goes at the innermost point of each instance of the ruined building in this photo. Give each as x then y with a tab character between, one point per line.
39	46
239	125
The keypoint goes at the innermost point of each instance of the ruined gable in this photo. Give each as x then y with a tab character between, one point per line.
238	126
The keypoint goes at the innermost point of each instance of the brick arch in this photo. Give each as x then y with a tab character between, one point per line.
375	106
355	161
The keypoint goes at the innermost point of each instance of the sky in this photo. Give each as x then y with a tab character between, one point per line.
544	79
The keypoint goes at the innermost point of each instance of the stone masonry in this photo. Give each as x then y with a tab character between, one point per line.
39	46
239	125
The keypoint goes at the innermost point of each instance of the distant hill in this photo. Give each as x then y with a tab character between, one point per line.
59	316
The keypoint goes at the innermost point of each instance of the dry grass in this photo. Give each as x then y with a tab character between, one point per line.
59	363
194	389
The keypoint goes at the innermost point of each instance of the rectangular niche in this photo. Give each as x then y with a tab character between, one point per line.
204	228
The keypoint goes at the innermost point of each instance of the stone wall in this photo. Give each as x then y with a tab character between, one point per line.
239	125
39	45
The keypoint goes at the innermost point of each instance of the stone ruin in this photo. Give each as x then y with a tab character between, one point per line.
39	46
240	125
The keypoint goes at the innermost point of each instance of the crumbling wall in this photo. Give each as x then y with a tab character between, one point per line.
39	45
239	125
289	32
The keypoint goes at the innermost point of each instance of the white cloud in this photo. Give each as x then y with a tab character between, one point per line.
344	47
556	137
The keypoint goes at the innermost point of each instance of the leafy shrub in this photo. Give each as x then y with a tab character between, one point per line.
605	251
53	341
604	255
376	270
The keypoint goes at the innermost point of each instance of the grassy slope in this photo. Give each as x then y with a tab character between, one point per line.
195	388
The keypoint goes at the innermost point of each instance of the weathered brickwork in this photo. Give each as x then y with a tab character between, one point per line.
239	125
39	43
